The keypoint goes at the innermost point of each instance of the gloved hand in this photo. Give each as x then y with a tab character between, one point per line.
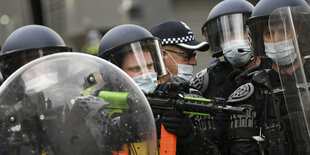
177	123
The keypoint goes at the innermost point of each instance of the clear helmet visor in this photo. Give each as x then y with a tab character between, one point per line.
73	103
256	32
281	37
226	32
233	31
139	58
11	61
286	42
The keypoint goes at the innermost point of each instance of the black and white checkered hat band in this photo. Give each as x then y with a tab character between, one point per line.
169	41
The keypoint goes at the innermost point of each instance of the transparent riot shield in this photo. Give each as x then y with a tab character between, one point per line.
289	29
73	103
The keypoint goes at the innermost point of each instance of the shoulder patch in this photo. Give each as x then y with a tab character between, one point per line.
242	93
200	81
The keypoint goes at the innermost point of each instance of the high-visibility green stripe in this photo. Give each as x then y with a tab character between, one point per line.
198	99
196	113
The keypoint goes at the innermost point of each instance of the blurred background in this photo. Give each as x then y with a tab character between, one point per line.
82	23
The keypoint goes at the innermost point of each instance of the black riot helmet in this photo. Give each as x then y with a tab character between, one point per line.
259	21
28	43
129	39
226	20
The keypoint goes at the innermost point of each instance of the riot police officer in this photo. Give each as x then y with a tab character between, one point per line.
278	30
133	49
138	53
225	30
28	43
179	50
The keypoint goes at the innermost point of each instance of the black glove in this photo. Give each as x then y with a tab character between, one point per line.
177	123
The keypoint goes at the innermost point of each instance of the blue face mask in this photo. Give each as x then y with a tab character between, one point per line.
147	82
282	53
185	72
237	52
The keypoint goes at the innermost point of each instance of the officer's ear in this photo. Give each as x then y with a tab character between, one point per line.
165	54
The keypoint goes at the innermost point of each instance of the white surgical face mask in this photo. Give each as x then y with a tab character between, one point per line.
282	53
237	52
147	82
185	72
39	83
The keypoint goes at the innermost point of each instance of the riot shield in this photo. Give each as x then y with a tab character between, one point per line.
73	103
289	29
